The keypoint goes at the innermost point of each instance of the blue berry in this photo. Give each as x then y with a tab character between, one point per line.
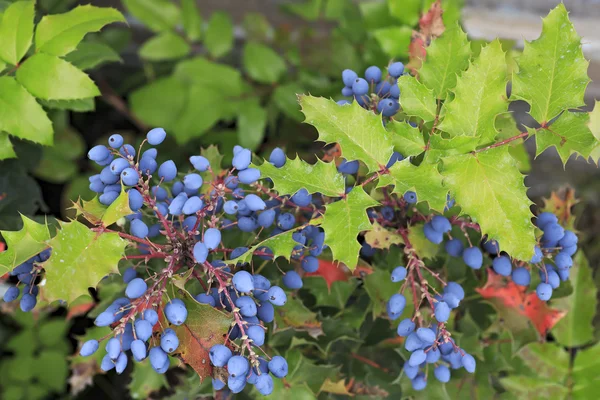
502	265
169	341
398	274
278	367
115	141
136	288
441	311
176	312
249	176
276	296
242	159
192	182
277	157
167	171
396	69
473	257
406	327
139	228
521	276
454	247
442	373
292	280
200	252
373	74
348	77
360	87
138	350
89	348
156	136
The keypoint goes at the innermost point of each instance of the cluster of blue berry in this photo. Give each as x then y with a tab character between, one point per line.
27	274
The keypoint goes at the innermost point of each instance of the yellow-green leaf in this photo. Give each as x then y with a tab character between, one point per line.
281	245
218	37
158	15
51	78
552	74
262	63
165	46
6	148
192	20
16	31
417	99
23	244
408	140
569	134
80	257
59	34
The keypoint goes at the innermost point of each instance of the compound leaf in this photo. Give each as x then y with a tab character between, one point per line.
359	133
424	180
21	115
569	134
552	74
489	187
297	174
447	57
51	78
23	244
480	95
417	99
59	34
343	221
16	31
80	257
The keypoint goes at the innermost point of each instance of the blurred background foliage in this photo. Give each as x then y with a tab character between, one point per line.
222	79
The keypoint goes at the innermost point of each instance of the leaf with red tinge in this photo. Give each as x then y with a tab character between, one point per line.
80	308
515	297
331	272
431	26
205	326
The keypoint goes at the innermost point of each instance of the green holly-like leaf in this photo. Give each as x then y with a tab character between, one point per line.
297	174
480	95
359	133
343	221
204	327
575	329
282	245
145	380
417	99
295	315
59	34
21	115
82	257
569	134
447	57
118	209
489	187
552	74
408	140
440	147
546	360
51	78
424	180
23	244
532	388
335	296
424	248
165	46
16	31
158	15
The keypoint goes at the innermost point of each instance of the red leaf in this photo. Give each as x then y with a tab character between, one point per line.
431	26
525	303
79	309
331	272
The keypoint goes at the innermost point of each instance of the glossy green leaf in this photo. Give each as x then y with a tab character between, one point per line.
282	245
359	133
21	115
447	57
552	74
285	98
6	148
51	369
159	103
192	20
479	96
158	15
424	248
407	11
417	99
23	244
546	360
408	140
204	327
90	55
218	37
164	46
145	380
118	209
585	371
262	63
190	123
59	34
51	78
251	124
78	105
379	288
221	78
343	221
424	180
59	162
81	256
335	296
297	174
530	388
394	40
489	187
569	134
575	329
16	31
295	315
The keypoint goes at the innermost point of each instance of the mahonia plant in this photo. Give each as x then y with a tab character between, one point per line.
423	161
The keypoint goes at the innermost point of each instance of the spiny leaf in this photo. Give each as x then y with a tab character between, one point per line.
23	244
418	240
91	210
343	221
282	245
382	238
424	180
480	95
118	209
297	174
408	140
569	134
447	57
576	328
51	78
203	328
80	257
59	34
440	147
417	99
489	187
594	125
21	115
16	31
359	133
552	73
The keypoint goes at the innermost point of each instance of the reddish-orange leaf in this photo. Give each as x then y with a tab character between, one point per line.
79	309
431	25
331	272
523	302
